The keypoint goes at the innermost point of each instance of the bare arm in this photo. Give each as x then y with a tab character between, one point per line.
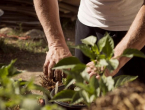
135	38
48	14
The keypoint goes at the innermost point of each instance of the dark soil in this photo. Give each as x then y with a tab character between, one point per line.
47	83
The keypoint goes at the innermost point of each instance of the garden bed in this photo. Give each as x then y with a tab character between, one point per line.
131	96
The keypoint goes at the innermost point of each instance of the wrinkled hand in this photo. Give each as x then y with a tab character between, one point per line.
92	70
53	56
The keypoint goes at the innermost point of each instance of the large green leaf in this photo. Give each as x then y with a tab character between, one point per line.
133	53
106	45
64	95
78	68
91	40
66	63
112	64
120	80
87	51
64	67
76	98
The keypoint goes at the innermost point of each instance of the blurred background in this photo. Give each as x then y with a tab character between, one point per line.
22	11
22	36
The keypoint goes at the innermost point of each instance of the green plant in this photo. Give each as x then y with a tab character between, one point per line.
88	89
16	95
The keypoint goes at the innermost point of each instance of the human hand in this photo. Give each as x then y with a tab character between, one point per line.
53	56
92	70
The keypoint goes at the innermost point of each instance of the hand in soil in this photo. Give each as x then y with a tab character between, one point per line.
53	56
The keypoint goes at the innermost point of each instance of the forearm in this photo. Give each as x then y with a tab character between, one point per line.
48	14
135	38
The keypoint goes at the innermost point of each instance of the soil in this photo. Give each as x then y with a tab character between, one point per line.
128	97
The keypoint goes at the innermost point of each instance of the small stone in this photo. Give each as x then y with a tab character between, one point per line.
6	30
35	34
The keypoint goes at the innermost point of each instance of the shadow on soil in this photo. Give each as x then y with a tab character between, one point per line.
26	60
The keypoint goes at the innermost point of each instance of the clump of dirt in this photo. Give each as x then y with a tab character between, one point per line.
128	97
47	83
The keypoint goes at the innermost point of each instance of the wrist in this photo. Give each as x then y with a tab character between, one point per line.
57	43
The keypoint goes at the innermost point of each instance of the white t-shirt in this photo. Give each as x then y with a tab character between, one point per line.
113	15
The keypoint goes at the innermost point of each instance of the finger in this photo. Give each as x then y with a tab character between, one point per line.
92	73
45	68
88	70
98	77
90	63
58	75
50	71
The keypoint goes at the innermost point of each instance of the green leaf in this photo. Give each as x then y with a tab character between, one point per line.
85	96
66	63
30	104
44	90
64	67
101	57
102	63
52	107
12	70
98	92
112	64
83	86
94	84
133	53
69	81
87	51
109	82
76	98
9	70
3	72
91	40
75	75
85	75
121	80
106	84
95	49
92	98
64	95
106	45
78	68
